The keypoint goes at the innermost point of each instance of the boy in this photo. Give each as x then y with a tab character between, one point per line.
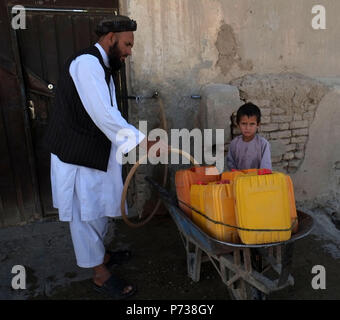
249	150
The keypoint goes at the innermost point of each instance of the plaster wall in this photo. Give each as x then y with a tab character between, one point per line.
200	41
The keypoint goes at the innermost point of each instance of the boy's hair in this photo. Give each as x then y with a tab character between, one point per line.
248	109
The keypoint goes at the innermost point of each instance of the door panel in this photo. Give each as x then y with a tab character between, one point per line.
49	39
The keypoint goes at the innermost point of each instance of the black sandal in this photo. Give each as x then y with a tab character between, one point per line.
114	287
118	257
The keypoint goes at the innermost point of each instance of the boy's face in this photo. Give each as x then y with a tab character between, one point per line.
248	127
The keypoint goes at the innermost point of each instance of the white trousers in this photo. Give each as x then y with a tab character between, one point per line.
87	237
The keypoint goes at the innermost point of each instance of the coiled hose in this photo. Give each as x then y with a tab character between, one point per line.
136	165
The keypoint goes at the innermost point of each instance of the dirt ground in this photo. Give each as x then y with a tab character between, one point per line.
158	268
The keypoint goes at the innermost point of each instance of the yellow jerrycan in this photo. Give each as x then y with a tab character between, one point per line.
197	202
231	175
263	203
216	201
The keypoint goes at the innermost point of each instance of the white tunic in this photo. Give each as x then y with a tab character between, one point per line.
99	192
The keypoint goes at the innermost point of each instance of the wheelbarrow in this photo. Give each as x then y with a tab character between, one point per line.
250	272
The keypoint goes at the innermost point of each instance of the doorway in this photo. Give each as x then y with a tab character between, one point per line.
50	37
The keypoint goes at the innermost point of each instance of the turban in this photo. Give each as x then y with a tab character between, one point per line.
116	24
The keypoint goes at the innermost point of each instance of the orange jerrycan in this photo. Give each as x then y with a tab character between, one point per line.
185	178
231	175
263	201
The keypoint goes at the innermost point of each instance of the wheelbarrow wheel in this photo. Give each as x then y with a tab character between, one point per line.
241	290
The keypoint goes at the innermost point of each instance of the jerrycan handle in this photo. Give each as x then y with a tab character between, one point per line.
264	171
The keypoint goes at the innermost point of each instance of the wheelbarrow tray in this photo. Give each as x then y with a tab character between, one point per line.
212	245
235	261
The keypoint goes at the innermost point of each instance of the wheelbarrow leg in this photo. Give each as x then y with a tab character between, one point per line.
286	262
194	260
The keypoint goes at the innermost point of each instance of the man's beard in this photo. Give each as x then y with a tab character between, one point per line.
114	57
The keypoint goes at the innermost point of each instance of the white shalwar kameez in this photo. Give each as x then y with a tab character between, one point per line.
84	196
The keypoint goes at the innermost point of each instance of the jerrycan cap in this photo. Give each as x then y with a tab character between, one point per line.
264	171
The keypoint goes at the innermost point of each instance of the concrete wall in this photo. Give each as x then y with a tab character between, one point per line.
183	45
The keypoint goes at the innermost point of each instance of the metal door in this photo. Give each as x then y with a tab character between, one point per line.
51	36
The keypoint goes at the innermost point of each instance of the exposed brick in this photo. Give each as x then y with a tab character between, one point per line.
265	111
294	163
280	166
297	117
262	103
299	155
265	120
280	134
281	119
290	147
300	146
299	139
299	124
284	126
311	107
285	141
278	111
300	132
270	127
308	115
265	135
288	156
276	158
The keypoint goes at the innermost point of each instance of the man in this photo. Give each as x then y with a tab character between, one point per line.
83	136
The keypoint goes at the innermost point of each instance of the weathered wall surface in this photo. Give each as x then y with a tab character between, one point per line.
193	42
317	182
268	51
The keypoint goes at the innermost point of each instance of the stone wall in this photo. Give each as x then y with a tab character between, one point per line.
288	103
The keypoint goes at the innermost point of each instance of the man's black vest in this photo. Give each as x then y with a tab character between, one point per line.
71	133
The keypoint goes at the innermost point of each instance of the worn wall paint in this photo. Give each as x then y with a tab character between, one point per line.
181	45
228	54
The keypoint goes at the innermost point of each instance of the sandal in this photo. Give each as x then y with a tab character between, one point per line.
114	287
117	257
